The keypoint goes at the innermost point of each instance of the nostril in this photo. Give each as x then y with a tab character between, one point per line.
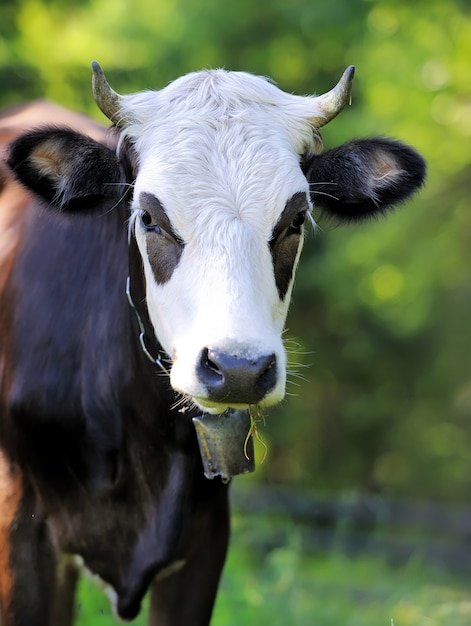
268	375
209	370
234	378
267	363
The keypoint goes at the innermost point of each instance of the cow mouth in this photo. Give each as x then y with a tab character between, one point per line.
217	408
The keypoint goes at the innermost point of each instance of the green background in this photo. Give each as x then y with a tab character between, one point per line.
380	312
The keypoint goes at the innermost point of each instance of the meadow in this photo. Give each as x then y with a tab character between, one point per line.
285	584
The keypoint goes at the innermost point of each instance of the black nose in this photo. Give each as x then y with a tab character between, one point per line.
235	379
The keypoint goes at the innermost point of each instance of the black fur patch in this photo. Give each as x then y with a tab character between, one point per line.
364	177
285	241
68	170
116	471
164	247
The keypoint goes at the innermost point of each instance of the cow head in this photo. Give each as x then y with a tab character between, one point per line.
228	169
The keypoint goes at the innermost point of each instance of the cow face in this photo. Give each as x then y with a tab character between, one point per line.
218	210
219	283
227	170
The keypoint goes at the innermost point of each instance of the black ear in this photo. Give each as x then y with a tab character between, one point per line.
68	170
364	177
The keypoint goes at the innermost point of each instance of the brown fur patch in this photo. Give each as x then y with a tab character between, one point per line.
10	497
48	159
14	205
385	167
37	114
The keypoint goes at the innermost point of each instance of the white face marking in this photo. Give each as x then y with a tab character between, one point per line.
223	168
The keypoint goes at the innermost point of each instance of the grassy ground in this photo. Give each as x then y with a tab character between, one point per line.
283	586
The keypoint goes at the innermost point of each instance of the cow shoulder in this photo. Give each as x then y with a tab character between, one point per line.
67	351
364	177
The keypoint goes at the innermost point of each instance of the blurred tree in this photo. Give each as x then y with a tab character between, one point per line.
392	397
383	308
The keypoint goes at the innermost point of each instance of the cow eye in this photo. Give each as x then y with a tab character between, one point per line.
298	221
148	223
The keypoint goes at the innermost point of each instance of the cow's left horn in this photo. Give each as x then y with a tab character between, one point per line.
331	103
106	98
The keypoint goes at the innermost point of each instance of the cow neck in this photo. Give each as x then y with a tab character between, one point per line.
152	353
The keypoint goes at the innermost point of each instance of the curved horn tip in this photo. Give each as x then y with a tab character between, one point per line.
349	73
106	98
96	69
349	76
345	83
331	103
98	73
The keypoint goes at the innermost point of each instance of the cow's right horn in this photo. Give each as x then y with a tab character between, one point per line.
108	101
330	104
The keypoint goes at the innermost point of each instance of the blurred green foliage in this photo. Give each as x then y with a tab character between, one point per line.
381	310
284	585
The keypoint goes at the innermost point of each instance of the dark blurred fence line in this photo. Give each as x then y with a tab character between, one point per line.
438	534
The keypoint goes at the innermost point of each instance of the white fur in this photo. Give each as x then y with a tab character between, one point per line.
221	151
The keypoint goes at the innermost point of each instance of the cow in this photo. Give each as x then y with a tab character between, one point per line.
145	278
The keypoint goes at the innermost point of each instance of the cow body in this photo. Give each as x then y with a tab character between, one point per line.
99	456
90	467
